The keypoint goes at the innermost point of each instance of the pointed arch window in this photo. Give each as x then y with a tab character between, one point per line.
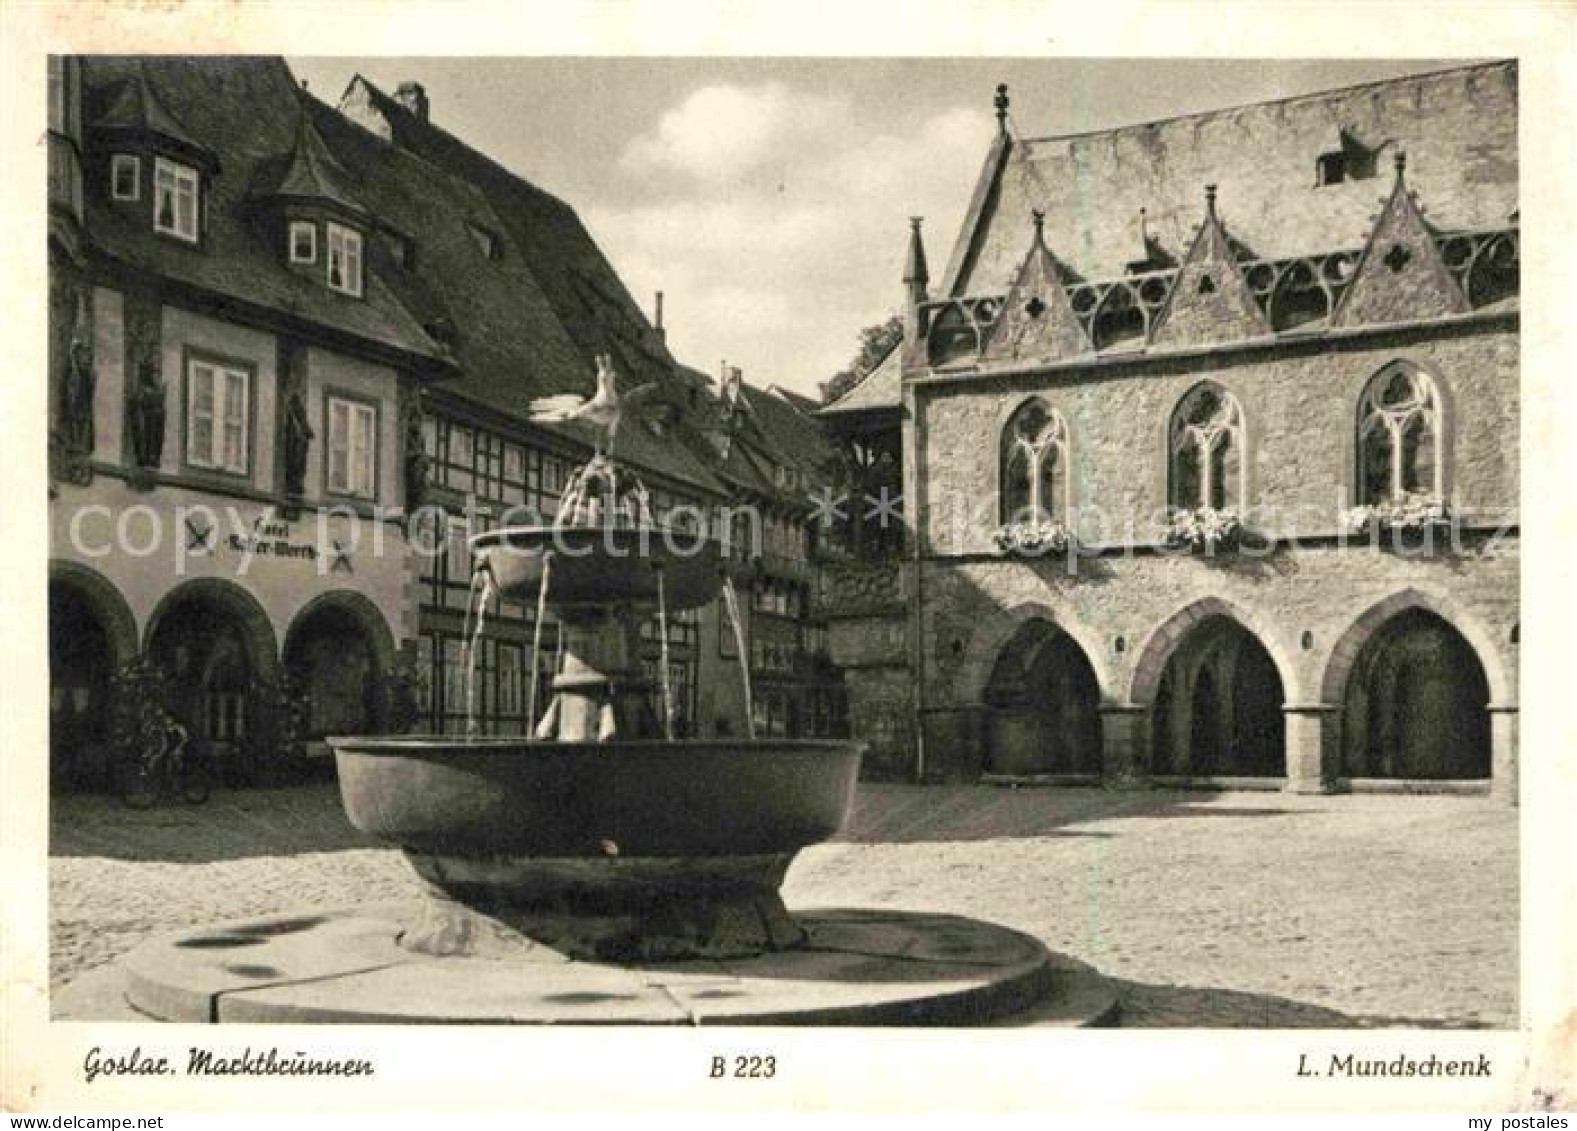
1399	421
1207	450
1034	453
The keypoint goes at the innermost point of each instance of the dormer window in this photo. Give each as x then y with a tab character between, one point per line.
401	248
1330	169
344	261
303	241
487	242
175	199
125	177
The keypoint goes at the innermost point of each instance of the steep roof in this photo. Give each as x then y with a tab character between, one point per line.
881	388
311	173
531	320
794	438
245	112
1458	127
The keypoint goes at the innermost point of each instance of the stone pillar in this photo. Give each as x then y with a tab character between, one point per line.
600	690
953	748
1308	726
1122	746
1503	751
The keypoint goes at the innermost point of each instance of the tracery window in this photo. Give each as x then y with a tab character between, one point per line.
1399	437
1034	452
1206	442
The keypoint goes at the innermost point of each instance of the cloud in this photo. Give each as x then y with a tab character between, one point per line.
722	132
776	220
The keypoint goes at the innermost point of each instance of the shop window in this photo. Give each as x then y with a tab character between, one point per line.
125	177
303	241
1399	437
344	260
218	412
175	190
352	447
1207	450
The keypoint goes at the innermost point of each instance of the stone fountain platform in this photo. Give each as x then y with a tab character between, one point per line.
857	967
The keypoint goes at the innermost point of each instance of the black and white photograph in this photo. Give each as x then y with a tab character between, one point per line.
1020	544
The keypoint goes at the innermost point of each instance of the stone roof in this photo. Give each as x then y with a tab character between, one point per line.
1458	128
245	112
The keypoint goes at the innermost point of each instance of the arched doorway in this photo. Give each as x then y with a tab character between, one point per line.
82	662
331	657
215	649
1217	708
1416	704
1044	701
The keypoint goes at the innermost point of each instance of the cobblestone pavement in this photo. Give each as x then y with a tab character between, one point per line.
1231	909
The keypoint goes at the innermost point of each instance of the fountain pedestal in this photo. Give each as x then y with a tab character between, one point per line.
601	691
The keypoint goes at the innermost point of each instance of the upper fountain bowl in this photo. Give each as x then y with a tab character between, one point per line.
601	565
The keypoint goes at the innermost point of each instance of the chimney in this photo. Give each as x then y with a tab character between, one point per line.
657	321
413	96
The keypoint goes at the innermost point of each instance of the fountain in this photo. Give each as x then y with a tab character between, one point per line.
600	870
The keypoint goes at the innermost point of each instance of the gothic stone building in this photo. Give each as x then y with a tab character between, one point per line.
1208	433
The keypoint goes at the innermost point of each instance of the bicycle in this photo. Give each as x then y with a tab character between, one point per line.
164	770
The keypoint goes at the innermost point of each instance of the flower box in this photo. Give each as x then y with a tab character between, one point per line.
1205	529
1408	514
1409	523
1032	539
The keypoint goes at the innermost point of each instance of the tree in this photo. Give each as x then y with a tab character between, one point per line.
876	342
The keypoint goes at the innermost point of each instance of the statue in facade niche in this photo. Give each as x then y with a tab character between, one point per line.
76	403
147	414
298	442
416	462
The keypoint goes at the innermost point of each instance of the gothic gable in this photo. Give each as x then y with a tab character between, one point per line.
1037	320
1400	276
1210	299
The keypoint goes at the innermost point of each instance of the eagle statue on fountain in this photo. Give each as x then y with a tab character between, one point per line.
604	411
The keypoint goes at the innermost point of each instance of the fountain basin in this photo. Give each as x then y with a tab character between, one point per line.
598	566
702	797
635	850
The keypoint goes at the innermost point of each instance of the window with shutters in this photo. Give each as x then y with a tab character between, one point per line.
344	261
125	176
218	416
175	189
351	450
303	241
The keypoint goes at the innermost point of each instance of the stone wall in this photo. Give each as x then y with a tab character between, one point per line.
1300	407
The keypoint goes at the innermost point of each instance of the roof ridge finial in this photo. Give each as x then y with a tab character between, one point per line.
1039	218
1210	201
1401	165
1001	103
916	273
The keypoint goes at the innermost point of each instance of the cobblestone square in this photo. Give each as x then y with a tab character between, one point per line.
1209	909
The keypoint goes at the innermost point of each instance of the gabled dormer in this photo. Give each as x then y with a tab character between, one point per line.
1037	318
1400	275
1210	300
149	164
313	216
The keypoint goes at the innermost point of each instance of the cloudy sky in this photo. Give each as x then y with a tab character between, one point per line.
768	198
